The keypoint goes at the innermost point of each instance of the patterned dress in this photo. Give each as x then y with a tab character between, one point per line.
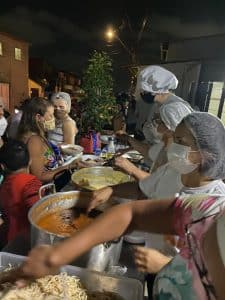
185	277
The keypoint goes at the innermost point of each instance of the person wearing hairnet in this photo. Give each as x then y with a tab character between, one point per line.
167	180
66	129
154	86
197	155
165	122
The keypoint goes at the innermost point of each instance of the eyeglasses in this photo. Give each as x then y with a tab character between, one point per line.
193	245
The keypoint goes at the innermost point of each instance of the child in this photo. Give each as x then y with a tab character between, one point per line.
19	190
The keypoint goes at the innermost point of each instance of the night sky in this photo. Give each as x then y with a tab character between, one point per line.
65	33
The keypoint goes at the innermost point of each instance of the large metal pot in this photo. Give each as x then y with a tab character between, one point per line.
99	258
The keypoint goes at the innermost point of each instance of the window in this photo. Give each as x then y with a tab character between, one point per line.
18	53
1	52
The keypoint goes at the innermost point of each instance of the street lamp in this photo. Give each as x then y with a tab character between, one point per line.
112	34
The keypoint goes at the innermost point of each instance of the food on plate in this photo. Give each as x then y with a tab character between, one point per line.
56	287
99	177
92	160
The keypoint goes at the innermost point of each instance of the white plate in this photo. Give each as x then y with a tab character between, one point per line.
71	150
133	155
89	156
70	159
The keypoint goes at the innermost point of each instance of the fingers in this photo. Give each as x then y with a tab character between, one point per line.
95	201
140	258
21	283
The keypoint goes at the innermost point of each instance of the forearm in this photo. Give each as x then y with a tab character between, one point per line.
139	174
146	215
48	176
104	228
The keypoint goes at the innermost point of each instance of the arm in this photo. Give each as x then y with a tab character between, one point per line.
69	131
130	168
153	216
37	167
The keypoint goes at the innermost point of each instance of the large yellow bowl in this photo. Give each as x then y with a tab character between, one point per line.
96	178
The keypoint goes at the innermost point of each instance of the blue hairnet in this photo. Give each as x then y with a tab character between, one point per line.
173	113
209	134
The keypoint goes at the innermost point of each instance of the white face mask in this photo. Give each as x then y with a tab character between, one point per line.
157	135
178	158
150	131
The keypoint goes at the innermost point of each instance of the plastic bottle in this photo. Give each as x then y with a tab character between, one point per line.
111	146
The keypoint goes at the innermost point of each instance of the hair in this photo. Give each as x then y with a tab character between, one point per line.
14	155
28	121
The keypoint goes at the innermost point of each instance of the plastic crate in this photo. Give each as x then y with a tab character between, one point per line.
128	288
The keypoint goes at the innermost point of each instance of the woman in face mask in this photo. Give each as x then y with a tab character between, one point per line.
37	119
154	88
65	130
195	166
164	126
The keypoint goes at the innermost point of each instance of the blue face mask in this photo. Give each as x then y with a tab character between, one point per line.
147	97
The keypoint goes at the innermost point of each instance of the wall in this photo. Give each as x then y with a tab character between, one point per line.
13	71
197	48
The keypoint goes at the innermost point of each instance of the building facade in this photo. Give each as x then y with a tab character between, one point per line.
14	64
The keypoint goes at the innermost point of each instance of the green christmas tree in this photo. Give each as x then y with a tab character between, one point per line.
99	103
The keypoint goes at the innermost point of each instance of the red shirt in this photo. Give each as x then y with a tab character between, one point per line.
17	194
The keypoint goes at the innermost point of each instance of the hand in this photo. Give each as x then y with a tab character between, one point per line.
149	260
125	164
37	264
82	164
74	164
99	197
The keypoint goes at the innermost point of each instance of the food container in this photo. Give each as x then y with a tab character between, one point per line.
98	177
99	257
127	288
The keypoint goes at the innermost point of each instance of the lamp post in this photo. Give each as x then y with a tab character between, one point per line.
112	34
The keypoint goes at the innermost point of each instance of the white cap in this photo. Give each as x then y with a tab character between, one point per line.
156	80
173	113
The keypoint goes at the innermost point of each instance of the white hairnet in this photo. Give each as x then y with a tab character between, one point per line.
173	113
156	80
209	134
64	96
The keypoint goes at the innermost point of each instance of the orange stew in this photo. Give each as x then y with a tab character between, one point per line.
55	223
